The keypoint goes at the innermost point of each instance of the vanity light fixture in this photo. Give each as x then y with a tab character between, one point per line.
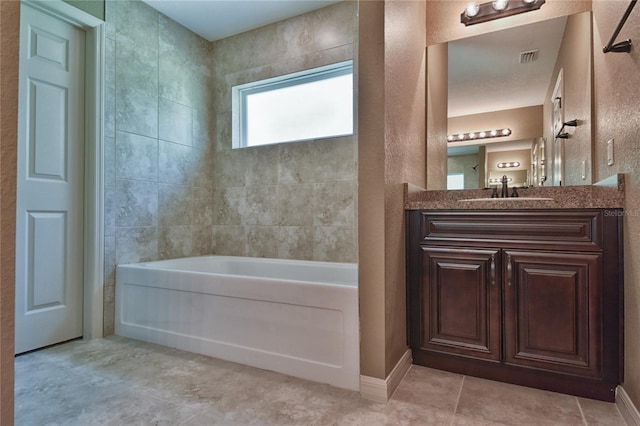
495	133
476	13
508	165
499	180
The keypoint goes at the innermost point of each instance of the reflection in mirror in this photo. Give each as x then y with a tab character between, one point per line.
507	79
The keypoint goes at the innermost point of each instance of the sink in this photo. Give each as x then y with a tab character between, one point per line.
509	199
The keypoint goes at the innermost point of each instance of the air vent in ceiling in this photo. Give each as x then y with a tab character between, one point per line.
528	56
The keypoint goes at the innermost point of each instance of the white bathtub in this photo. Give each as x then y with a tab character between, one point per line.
294	317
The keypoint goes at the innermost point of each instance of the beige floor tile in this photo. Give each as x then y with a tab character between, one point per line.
429	388
459	420
118	381
490	401
600	413
360	412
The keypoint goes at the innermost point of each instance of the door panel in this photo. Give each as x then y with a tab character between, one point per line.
50	179
47	142
552	301
461	301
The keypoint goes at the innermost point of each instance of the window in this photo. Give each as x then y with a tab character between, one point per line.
311	104
455	181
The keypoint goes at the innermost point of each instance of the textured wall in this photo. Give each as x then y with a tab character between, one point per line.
293	200
371	197
391	150
9	43
437	81
405	88
574	58
158	141
443	18
616	94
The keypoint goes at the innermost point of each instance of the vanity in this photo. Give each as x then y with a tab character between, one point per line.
525	291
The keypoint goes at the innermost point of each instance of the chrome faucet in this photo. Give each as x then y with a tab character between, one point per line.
505	190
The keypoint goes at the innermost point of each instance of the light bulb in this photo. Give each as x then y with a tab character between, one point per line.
506	132
500	5
472	10
483	134
461	136
494	133
450	138
472	135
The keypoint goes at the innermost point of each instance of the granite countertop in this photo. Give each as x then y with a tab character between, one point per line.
606	194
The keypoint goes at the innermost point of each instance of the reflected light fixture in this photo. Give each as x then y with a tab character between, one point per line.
476	13
508	165
499	180
485	134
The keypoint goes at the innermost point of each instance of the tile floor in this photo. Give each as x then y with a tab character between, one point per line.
118	381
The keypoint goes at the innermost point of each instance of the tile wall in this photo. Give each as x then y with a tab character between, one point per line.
297	200
158	144
173	185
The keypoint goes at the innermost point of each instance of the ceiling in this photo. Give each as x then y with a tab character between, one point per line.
217	19
485	73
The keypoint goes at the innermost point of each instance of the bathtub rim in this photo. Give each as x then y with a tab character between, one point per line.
150	266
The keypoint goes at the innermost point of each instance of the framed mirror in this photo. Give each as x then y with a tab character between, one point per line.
515	79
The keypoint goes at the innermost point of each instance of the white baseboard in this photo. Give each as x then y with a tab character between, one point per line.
380	390
625	405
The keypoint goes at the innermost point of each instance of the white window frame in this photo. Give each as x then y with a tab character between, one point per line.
241	92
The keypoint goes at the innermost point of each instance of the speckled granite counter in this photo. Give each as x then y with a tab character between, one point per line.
608	193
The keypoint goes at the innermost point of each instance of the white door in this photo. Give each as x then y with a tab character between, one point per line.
49	221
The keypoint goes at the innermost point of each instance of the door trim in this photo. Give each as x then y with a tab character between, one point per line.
93	287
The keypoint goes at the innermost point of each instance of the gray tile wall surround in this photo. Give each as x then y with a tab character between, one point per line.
173	185
295	200
158	144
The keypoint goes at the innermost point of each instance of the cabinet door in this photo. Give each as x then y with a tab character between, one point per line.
553	311
460	293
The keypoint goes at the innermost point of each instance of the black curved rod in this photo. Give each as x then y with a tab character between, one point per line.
623	46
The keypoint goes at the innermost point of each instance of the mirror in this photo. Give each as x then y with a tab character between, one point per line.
529	79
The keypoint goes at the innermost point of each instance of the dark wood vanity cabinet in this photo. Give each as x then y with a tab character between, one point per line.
527	297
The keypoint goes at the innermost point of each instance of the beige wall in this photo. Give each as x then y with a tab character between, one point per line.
371	199
437	99
443	18
391	150
525	123
9	38
574	58
616	94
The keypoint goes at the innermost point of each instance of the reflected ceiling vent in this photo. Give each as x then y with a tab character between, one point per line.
528	56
